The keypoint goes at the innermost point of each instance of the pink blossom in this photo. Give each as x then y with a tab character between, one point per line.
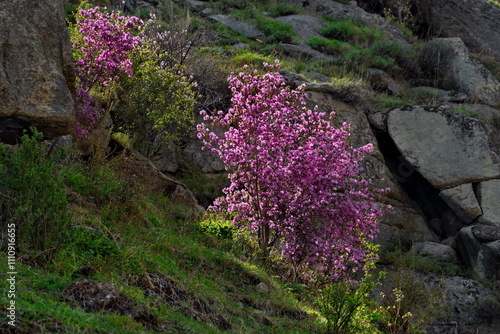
294	178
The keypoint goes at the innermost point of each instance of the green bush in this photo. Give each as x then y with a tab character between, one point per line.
348	30
250	58
281	9
32	196
218	228
156	103
408	305
347	306
386	102
434	61
275	31
387	49
341	30
89	243
332	47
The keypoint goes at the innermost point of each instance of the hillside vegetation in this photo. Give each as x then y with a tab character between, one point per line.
100	252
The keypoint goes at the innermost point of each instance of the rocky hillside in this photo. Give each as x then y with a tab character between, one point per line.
419	80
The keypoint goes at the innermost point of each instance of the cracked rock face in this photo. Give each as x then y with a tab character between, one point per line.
463	202
471	77
448	149
35	69
489	199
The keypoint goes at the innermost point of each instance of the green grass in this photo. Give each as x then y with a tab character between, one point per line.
466	112
348	30
386	102
129	236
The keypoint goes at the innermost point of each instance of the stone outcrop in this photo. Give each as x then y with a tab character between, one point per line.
489	199
471	77
474	21
339	10
468	311
434	250
484	257
243	28
402	220
303	25
462	200
36	74
447	148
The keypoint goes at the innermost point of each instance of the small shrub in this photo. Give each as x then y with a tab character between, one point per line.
433	63
32	196
332	47
351	31
385	102
246	14
281	9
249	58
341	30
386	55
408	305
347	306
88	243
218	228
275	31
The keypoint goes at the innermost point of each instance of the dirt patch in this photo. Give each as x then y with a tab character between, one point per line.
95	296
174	294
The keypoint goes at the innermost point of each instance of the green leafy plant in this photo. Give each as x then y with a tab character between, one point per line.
275	31
465	111
32	197
159	99
89	243
347	307
218	228
348	30
333	47
281	9
408	305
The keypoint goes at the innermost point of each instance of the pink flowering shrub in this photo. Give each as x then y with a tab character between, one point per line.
101	42
294	178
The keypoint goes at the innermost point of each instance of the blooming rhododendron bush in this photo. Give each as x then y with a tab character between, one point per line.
294	179
101	42
121	68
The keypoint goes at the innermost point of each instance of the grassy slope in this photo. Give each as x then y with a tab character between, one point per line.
200	283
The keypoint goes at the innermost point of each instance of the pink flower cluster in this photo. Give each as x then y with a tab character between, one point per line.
102	55
294	177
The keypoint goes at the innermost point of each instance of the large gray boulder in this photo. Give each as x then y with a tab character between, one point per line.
36	74
304	26
243	28
402	220
435	251
448	149
338	10
489	199
474	21
471	77
467	309
483	258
